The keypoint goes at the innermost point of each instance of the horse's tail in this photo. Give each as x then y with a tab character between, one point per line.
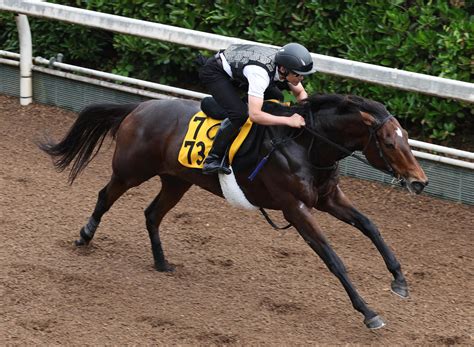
90	128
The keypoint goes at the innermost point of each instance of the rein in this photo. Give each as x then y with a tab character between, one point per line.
269	220
372	135
315	134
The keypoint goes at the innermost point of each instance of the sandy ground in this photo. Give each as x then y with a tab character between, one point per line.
238	282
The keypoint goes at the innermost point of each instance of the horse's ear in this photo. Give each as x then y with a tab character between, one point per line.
367	118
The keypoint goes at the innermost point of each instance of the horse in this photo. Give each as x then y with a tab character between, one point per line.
301	173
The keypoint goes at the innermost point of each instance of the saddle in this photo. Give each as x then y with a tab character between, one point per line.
203	126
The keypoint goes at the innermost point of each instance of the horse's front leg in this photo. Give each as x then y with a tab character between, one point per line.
300	216
338	205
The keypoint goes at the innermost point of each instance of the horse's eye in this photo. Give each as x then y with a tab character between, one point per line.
389	145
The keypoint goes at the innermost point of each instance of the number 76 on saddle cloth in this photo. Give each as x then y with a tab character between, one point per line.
198	140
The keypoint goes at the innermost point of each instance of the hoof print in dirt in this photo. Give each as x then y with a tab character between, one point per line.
278	307
218	339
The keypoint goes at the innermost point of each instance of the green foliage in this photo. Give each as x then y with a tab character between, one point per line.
432	37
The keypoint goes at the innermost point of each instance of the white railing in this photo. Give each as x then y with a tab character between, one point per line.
160	87
118	78
346	68
366	72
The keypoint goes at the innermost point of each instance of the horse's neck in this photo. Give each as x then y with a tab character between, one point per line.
341	130
342	135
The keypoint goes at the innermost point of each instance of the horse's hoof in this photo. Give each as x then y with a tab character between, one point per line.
84	238
166	267
400	289
81	242
374	323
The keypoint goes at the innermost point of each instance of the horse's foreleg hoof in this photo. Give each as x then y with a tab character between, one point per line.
374	323
83	240
401	289
165	267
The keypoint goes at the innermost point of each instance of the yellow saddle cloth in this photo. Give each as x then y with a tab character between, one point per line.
198	140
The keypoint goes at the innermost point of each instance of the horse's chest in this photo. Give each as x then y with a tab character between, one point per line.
295	187
303	188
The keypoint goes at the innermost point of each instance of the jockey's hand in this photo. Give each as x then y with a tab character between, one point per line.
296	121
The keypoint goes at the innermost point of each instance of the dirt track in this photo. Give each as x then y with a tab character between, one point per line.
237	281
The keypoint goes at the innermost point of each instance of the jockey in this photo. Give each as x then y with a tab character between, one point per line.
259	70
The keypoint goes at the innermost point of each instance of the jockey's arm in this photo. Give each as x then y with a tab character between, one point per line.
298	91
258	116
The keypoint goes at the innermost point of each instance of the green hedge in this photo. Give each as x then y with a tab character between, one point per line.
430	37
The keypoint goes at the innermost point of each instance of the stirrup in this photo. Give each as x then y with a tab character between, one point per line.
225	170
216	166
220	169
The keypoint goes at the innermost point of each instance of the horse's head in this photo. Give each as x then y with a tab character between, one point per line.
361	124
387	149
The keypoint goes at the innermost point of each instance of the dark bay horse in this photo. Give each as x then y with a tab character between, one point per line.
299	176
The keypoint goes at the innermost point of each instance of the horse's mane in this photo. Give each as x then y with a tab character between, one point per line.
346	104
331	105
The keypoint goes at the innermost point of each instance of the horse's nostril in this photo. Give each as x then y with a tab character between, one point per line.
418	186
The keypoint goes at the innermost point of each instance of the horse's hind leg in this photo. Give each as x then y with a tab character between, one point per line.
338	205
172	190
107	196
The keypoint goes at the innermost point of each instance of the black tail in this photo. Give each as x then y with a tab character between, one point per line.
91	126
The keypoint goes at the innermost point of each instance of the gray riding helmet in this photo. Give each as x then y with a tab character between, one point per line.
296	58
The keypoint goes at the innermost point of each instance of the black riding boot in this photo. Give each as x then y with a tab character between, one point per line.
215	160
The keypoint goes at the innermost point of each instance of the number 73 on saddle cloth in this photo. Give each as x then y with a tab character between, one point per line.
198	140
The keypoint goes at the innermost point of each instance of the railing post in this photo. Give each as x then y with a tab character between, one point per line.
26	85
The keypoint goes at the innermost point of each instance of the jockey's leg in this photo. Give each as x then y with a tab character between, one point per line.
216	159
220	86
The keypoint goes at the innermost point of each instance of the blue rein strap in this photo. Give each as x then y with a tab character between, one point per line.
276	143
311	129
260	165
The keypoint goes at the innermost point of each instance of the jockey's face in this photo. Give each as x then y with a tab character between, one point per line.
294	78
290	76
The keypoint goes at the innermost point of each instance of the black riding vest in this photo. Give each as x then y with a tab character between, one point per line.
239	56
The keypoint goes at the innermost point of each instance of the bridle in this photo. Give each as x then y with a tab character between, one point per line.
372	135
315	134
277	143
